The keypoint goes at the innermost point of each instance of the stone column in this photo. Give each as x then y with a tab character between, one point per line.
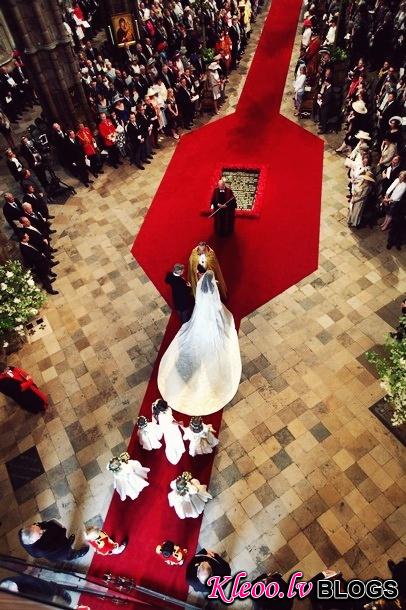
38	30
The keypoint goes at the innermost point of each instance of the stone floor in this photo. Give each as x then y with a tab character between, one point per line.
305	476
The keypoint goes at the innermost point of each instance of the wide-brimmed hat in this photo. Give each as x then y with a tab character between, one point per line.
359	106
362	135
325	50
151	92
151	61
214	66
396	118
369	177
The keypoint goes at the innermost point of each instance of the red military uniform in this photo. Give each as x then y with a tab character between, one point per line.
107	132
19	385
103	545
86	139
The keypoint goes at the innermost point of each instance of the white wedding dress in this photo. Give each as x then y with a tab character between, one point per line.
192	503
131	479
201	369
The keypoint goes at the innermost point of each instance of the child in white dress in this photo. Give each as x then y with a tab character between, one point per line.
130	477
149	433
188	496
201	437
174	445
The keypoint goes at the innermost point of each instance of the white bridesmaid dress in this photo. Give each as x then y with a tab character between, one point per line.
192	503
131	479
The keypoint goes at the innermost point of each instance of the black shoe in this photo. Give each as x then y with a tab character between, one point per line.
101	171
150	157
66	598
115	166
53	279
51	216
54	250
54	264
140	167
53	231
50	290
147	161
91	181
81	552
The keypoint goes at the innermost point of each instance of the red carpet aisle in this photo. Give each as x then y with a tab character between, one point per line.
264	257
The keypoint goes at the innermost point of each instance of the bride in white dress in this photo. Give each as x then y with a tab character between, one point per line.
201	369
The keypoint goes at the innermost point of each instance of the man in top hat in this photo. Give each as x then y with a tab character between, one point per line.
224	204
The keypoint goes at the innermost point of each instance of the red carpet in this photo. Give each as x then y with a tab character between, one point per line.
263	258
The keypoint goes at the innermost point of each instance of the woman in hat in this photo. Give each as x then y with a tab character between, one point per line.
149	433
188	496
395	131
130	478
200	436
358	122
361	191
172	114
393	200
174	445
389	150
214	84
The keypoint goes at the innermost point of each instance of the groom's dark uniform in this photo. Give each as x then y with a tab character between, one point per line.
182	296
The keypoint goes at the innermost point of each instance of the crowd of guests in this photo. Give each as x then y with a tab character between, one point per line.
138	95
370	102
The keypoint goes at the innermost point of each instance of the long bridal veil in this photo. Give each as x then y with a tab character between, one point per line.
201	369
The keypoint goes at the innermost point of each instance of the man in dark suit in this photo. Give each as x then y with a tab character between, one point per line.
185	104
59	140
34	160
391	109
48	540
38	239
235	35
12	211
204	565
37	261
76	159
326	106
37	219
37	201
181	292
135	140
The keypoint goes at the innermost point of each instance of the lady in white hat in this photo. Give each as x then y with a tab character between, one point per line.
358	120
361	191
214	83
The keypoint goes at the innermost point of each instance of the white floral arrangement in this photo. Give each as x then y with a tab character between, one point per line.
20	299
392	372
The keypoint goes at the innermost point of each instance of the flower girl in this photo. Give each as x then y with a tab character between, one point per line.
149	433
188	496
130	477
201	437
